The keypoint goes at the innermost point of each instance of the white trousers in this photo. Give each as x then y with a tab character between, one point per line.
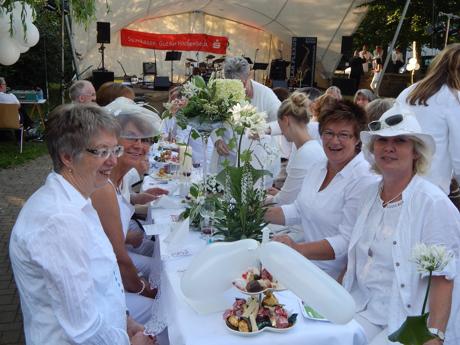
375	334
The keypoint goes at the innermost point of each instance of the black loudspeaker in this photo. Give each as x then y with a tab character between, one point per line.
303	60
103	32
347	46
149	68
161	83
278	69
347	86
101	77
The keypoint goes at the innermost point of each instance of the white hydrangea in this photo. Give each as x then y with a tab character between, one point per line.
230	87
189	89
431	258
246	115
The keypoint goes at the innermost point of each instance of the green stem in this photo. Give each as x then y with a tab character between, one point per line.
427	292
239	148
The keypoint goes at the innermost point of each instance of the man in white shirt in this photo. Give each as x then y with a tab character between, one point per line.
82	91
262	97
9	98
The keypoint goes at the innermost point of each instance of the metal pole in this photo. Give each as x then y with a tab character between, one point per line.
62	51
393	42
447	31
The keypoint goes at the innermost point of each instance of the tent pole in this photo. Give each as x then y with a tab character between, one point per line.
392	45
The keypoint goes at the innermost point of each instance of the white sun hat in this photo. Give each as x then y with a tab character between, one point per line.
135	121
394	122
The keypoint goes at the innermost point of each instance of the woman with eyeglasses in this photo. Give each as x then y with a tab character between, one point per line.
115	211
435	101
396	213
327	204
67	275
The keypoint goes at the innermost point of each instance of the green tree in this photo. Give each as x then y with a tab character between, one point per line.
379	25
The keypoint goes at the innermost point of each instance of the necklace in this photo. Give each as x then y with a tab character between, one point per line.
386	203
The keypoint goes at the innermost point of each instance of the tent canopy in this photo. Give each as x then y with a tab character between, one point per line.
265	25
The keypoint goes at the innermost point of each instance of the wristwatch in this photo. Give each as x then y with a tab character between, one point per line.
438	333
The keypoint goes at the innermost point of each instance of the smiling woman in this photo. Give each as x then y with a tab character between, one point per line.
58	242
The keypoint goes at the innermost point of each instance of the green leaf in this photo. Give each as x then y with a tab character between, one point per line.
194	134
413	331
232	143
220	132
199	81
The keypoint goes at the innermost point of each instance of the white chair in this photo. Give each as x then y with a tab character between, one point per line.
9	120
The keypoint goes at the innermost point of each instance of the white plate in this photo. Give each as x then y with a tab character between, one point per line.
268	329
310	313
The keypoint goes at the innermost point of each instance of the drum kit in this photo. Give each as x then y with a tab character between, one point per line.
205	68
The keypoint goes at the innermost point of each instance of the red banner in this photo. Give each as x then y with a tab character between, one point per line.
189	42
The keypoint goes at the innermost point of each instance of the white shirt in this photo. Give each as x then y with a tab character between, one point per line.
374	262
427	216
66	271
301	161
440	119
8	98
331	213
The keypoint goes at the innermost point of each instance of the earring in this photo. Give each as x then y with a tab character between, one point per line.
70	171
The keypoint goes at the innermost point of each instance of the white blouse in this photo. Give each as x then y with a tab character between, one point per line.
301	161
66	271
330	213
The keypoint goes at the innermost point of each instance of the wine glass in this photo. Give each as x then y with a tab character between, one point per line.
207	213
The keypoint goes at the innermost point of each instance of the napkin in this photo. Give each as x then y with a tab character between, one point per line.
167	201
178	235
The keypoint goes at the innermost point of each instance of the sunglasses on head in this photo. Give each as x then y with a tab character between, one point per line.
390	121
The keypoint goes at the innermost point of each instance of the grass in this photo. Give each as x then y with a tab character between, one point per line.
10	156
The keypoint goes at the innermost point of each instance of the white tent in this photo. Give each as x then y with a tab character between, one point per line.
266	25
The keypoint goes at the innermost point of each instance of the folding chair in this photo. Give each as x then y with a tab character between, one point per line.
9	120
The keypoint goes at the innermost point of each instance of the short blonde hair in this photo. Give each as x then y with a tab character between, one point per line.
422	163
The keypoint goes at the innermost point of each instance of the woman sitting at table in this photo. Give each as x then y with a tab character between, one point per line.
399	212
327	204
65	270
293	118
115	212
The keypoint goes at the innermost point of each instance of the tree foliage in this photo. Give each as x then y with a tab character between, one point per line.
381	21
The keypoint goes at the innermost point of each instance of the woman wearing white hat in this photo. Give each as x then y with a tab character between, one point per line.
400	211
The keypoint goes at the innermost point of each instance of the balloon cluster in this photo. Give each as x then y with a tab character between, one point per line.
25	33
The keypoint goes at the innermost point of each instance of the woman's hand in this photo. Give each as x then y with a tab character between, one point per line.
272	191
134	238
221	147
133	327
141	339
435	341
148	290
147	196
285	239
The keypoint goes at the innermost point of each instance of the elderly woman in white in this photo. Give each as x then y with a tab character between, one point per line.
64	266
398	212
327	204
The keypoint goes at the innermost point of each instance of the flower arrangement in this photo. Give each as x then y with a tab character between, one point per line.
429	259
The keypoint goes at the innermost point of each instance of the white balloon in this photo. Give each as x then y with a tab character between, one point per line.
4	22
17	10
9	53
212	271
308	282
31	37
22	48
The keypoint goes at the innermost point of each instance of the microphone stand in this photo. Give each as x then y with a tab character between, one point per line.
449	17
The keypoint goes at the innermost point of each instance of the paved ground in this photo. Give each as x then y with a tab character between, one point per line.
16	185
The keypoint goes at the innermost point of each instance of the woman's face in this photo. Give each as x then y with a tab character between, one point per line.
91	172
395	155
134	149
339	142
361	100
284	124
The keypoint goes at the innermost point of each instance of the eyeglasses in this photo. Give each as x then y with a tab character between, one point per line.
342	136
143	140
105	152
390	121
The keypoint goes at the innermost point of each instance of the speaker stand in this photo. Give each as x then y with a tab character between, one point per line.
101	50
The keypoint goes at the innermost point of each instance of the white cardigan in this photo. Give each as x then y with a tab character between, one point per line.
429	217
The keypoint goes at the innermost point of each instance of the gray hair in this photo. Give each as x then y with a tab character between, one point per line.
366	93
76	90
236	67
377	107
2	80
71	128
422	163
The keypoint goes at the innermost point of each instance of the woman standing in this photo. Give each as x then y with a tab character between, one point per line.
435	101
65	270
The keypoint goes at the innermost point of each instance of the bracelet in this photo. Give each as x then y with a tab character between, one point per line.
143	287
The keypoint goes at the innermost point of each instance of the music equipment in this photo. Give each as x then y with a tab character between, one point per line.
279	83
219	60
149	68
103	32
210	57
161	83
347	46
190	60
278	69
347	86
173	56
101	77
303	60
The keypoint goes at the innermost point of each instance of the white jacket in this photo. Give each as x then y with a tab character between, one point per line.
427	216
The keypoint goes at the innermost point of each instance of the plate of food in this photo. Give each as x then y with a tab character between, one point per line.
162	175
249	317
309	313
253	282
167	156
